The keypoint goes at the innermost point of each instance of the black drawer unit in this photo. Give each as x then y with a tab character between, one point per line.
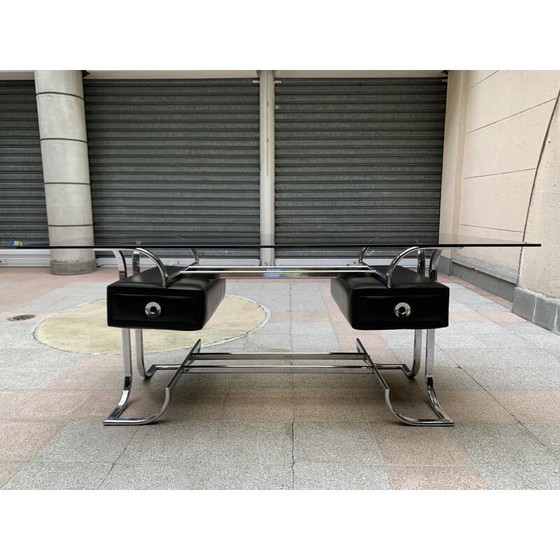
413	302
140	301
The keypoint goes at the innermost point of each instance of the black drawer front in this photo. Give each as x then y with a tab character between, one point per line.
139	301
144	311
415	303
403	311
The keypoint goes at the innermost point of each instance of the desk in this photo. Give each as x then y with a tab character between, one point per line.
196	361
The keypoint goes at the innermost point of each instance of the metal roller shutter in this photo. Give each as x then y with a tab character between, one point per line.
358	160
23	213
174	161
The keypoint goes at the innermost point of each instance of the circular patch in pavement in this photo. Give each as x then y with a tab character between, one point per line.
84	328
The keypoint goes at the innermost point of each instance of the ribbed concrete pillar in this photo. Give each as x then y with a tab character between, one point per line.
62	128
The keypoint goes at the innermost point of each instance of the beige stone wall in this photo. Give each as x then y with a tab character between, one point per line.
540	269
495	132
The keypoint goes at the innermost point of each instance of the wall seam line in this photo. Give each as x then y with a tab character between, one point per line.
484	79
511	116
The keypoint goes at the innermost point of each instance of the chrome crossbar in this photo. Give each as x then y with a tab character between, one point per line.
275	272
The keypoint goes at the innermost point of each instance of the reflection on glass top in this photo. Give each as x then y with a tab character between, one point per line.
472	241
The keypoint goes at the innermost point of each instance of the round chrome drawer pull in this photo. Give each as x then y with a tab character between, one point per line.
152	310
402	310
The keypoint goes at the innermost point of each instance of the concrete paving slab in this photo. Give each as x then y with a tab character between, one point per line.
197	404
33	368
211	441
169	441
9	469
65	297
421	446
531	406
197	475
502	444
314	404
323	380
550	343
495	333
340	476
505	378
258	404
87	441
38	475
267	442
259	380
335	442
53	405
532	476
313	337
152	475
475	406
21	440
245	475
281	342
442	477
12	402
548	433
531	357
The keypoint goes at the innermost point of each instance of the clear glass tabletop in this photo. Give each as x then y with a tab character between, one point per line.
445	241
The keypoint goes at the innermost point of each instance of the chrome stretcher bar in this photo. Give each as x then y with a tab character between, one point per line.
192	362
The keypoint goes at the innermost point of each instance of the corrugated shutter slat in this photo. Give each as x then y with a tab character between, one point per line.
174	161
23	213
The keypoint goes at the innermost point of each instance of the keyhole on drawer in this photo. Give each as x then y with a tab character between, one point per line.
402	310
152	309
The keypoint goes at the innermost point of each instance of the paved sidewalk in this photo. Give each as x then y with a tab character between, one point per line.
496	375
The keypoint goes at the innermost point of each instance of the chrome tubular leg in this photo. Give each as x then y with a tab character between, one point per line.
417	363
139	340
127	362
441	420
115	420
434	403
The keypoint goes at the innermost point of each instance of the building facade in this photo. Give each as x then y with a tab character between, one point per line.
288	157
501	181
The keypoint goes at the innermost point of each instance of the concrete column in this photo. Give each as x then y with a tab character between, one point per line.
62	128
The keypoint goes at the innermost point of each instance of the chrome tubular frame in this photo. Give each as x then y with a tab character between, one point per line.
366	364
190	365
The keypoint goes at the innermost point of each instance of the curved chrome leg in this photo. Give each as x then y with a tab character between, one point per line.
434	403
114	418
127	359
441	420
417	362
121	405
139	339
